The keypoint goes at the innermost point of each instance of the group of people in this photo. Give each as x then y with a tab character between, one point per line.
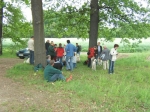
108	57
55	55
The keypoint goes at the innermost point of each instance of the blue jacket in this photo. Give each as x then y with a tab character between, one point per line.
70	49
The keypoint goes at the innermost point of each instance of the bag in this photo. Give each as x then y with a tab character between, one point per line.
38	67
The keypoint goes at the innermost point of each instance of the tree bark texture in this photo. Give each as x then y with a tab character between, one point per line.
94	20
38	28
1	27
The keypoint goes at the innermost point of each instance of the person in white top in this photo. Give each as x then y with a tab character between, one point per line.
74	60
113	57
31	48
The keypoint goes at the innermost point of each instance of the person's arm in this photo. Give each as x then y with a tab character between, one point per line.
113	52
55	71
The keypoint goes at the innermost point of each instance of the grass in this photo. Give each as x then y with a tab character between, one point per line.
94	91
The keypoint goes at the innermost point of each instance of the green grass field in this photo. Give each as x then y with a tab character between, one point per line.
93	91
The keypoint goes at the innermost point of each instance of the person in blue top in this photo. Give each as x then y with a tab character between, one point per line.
70	49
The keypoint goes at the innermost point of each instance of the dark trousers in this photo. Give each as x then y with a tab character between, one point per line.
89	62
111	66
31	57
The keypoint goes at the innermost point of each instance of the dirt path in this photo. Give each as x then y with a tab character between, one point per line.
14	94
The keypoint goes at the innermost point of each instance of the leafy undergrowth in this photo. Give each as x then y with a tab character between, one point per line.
95	91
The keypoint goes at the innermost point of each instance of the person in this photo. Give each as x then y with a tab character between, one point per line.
70	49
47	44
31	48
99	50
58	65
113	57
78	47
74	60
60	53
51	51
105	57
48	58
52	74
91	54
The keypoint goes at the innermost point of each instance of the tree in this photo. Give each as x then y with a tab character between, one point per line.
1	25
38	27
94	20
112	17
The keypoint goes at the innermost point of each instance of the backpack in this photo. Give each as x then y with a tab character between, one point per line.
79	48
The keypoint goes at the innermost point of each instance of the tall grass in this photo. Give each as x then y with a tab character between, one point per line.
96	91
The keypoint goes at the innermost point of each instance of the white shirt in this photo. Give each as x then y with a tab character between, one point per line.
114	53
31	44
99	50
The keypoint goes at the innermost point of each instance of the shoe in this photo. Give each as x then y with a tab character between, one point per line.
69	78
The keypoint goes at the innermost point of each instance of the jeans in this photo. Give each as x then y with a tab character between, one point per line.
111	66
69	65
60	60
31	57
89	62
74	65
56	77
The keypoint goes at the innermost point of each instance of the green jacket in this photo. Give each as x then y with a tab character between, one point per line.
49	71
51	50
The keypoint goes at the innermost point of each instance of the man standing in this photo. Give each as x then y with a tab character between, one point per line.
47	44
31	48
70	49
78	47
105	57
113	57
99	50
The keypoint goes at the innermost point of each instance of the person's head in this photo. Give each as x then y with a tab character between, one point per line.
55	45
76	44
95	47
98	43
47	41
52	43
116	46
68	41
48	57
51	62
32	37
104	47
60	45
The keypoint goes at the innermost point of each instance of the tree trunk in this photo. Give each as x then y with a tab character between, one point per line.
94	20
38	28
1	27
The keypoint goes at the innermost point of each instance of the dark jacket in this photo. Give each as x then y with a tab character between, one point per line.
47	44
100	49
49	71
51	50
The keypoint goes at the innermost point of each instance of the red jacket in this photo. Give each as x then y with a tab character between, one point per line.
91	52
60	51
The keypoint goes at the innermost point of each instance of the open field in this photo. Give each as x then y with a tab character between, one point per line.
144	46
90	91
